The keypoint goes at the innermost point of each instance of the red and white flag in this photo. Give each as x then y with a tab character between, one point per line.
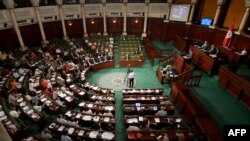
228	37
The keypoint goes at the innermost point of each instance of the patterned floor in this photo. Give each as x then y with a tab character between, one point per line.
113	80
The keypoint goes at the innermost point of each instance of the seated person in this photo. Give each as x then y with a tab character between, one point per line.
66	138
204	46
190	55
46	134
162	112
14	113
133	128
12	99
212	50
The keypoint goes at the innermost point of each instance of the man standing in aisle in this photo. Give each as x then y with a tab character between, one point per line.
131	77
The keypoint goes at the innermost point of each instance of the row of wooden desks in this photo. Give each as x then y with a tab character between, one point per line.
157	91
146	109
152	135
169	122
83	133
146	99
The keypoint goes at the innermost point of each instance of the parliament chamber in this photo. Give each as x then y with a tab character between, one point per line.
153	70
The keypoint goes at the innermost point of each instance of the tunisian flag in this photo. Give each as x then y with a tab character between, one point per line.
228	37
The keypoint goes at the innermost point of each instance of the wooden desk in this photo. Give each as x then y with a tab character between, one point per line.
84	105
148	135
205	62
195	112
87	120
169	122
146	99
133	63
231	55
157	91
98	90
103	65
107	99
77	132
146	109
236	85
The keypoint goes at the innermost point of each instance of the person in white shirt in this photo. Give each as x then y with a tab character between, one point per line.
61	120
32	86
131	77
14	113
65	138
243	52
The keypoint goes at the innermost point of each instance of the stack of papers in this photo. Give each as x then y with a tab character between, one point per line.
107	135
106	119
61	128
93	134
71	130
96	118
81	133
87	117
132	120
157	120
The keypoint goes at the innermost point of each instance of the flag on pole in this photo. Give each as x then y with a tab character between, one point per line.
228	37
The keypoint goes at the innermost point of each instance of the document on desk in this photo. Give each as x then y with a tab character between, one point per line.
140	118
71	130
78	115
157	120
106	119
90	105
82	104
87	117
52	125
110	108
93	134
68	113
69	99
30	111
132	120
107	135
81	93
2	113
178	120
81	133
20	99
61	128
96	118
153	98
138	108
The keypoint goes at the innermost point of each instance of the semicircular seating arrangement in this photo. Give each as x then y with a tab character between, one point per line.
45	89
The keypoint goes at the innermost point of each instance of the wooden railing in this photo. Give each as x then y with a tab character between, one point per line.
184	76
167	60
194	80
166	52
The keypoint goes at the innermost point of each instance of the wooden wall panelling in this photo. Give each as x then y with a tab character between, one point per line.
241	42
115	25
198	33
74	28
133	27
53	30
186	30
155	28
94	25
217	37
164	32
174	28
9	40
209	8
31	35
235	12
